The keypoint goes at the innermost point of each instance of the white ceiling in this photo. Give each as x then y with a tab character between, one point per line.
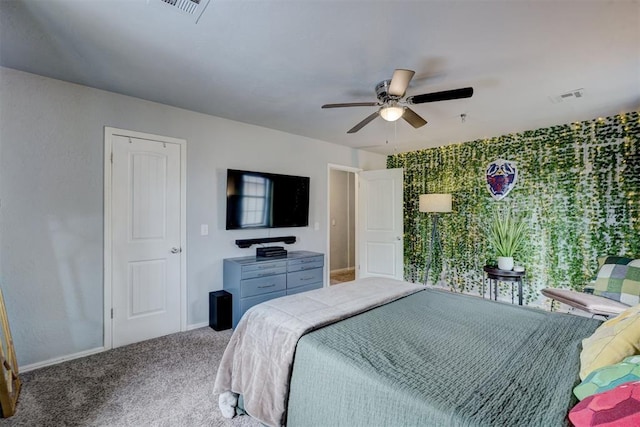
274	63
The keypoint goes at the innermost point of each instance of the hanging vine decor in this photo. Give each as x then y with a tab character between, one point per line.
578	187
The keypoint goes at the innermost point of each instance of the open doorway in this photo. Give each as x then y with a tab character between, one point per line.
342	224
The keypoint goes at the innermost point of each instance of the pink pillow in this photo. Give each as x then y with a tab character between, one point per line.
617	407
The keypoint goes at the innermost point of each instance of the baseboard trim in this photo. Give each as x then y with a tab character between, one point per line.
56	360
343	270
197	326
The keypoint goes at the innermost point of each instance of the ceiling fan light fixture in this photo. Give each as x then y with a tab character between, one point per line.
392	102
391	113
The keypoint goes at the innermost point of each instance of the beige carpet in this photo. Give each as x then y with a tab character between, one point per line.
166	381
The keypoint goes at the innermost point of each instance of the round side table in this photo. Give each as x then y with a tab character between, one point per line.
495	275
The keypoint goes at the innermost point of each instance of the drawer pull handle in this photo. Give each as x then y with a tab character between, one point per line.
262	267
267	286
269	273
306	278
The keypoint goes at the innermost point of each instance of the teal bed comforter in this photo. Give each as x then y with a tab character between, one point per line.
439	359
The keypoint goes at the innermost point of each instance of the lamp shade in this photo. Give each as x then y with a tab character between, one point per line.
435	202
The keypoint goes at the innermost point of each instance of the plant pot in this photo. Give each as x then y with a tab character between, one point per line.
505	263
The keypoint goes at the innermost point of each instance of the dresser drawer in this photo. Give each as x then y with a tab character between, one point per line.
266	270
302	278
252	280
305	263
263	265
263	285
247	303
304	288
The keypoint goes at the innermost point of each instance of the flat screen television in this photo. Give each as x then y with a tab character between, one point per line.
266	200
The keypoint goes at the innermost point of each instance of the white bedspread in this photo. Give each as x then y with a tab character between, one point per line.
258	359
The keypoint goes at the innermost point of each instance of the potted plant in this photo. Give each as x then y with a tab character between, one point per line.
506	235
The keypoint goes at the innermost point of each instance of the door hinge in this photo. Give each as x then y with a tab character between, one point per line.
112	313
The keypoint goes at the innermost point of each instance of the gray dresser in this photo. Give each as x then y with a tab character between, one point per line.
254	280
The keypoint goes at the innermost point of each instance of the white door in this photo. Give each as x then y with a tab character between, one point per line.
380	224
146	239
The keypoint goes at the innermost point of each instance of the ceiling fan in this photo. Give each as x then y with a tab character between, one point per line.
393	107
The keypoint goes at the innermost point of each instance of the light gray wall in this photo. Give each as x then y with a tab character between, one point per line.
51	201
351	262
342	219
338	211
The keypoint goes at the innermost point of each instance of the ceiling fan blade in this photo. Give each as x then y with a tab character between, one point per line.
446	95
413	118
400	82
363	123
351	104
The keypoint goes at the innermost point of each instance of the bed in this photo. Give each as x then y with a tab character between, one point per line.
423	357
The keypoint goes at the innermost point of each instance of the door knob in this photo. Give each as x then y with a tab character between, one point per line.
176	250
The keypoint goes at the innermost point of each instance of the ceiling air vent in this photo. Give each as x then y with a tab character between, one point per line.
188	8
567	96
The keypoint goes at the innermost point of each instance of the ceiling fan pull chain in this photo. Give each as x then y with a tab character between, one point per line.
395	136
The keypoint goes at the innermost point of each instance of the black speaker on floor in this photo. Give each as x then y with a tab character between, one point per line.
220	310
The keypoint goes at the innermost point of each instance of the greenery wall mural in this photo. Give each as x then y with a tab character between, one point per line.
578	187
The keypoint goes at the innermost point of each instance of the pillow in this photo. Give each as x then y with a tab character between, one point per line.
617	407
618	279
613	260
614	340
608	377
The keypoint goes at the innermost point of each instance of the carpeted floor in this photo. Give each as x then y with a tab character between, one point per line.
166	381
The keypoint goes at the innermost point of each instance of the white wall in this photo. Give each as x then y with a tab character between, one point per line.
342	219
51	201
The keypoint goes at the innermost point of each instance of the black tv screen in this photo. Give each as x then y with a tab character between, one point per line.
266	200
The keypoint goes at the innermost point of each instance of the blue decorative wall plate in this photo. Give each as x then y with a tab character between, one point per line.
501	178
